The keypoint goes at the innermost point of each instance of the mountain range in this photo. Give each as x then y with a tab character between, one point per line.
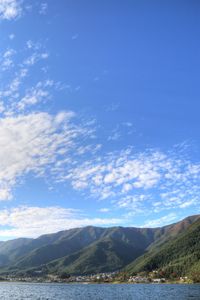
89	250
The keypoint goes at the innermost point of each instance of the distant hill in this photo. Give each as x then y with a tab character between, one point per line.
93	249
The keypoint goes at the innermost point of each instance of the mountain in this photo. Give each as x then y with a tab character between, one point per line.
179	256
87	244
90	249
116	248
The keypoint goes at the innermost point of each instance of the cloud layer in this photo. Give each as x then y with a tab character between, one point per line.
152	179
34	221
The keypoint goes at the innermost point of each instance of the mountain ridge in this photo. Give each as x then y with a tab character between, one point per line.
89	249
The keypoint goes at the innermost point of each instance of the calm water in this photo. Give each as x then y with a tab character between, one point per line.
97	291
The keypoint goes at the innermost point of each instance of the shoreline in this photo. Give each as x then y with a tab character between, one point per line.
98	283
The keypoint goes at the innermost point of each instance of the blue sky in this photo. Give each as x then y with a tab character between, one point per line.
99	114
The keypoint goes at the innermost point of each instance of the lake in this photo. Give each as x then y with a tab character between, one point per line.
52	291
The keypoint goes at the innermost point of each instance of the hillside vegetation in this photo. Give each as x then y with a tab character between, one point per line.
179	256
173	249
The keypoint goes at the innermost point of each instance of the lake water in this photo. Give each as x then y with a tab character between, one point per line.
24	291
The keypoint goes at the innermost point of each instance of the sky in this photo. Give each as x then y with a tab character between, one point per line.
99	114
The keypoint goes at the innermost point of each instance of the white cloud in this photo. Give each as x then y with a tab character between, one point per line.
115	136
11	91
10	9
34	96
18	93
35	57
133	202
30	140
165	178
6	61
32	143
188	203
121	171
33	221
126	187
161	221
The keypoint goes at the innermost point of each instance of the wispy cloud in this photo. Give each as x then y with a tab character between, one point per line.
35	142
30	140
37	94
161	221
115	135
7	61
45	220
14	92
157	179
